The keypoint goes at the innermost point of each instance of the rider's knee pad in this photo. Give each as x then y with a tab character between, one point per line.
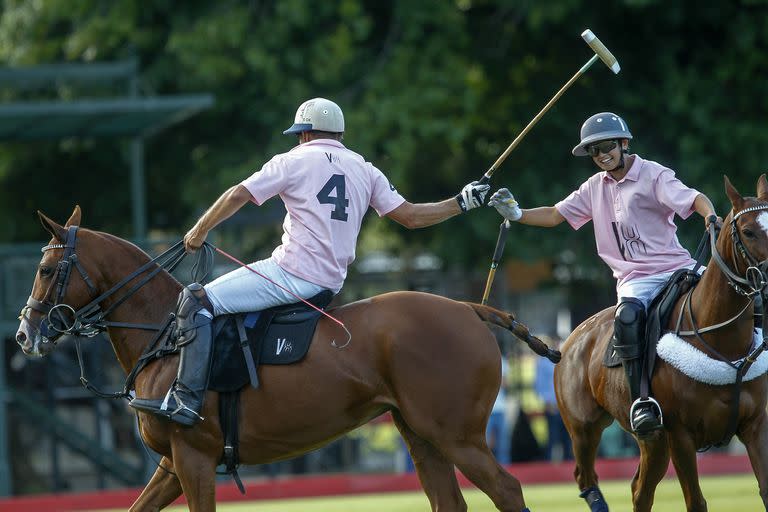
629	328
192	312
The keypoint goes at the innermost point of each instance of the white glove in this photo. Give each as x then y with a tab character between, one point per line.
505	204
472	195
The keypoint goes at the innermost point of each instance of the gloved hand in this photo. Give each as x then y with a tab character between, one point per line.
472	195
505	204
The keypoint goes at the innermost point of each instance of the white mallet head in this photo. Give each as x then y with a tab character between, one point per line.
599	48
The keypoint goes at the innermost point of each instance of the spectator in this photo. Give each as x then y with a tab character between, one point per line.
498	434
558	442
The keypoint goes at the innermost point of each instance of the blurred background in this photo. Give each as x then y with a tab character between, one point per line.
143	112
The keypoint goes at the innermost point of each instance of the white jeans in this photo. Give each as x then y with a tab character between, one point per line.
646	288
241	291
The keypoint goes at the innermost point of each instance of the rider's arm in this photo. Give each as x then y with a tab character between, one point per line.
225	206
424	214
545	216
705	208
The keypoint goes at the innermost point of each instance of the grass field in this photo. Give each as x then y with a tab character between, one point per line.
724	493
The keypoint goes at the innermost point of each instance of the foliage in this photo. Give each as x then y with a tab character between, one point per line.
433	92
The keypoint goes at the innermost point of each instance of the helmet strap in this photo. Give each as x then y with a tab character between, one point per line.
621	160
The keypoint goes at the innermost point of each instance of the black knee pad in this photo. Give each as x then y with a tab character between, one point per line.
629	328
192	298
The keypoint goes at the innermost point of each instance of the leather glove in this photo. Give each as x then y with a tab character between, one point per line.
472	195
505	204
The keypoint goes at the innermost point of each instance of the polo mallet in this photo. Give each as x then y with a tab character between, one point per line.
503	230
609	60
602	53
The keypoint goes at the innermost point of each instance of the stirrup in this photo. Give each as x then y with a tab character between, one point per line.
180	406
640	402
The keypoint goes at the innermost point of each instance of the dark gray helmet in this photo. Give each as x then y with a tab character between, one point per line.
602	126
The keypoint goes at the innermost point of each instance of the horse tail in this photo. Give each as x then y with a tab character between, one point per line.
507	321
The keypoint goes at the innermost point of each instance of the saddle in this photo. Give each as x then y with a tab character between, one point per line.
659	312
242	342
275	336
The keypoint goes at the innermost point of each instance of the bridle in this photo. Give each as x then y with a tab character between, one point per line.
90	320
61	318
755	278
754	283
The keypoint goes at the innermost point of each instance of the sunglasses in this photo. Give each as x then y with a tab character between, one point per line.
605	146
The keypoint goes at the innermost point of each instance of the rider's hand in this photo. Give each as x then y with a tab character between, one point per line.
194	239
505	204
472	195
717	220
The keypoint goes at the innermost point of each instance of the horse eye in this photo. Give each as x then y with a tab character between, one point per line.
45	271
748	233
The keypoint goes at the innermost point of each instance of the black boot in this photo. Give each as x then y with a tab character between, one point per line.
184	400
629	340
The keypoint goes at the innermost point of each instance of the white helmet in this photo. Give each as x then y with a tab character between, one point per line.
317	114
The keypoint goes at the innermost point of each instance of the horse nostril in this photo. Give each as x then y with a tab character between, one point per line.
21	338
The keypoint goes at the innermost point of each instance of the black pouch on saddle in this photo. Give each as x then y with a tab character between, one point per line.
279	335
658	315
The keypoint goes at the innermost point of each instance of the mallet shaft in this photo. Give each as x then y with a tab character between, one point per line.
500	242
538	116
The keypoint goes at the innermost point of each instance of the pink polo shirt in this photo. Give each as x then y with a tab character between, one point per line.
326	189
634	218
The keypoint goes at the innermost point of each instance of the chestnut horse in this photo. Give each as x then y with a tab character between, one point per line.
717	318
429	360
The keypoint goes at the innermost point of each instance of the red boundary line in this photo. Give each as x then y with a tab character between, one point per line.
308	486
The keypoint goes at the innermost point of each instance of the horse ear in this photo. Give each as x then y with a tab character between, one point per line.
57	231
74	219
762	188
733	194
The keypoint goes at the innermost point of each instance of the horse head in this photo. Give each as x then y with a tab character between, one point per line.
746	239
57	292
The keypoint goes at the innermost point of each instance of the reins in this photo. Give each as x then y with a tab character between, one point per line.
90	320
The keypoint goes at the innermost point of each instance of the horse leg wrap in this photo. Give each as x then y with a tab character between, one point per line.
594	499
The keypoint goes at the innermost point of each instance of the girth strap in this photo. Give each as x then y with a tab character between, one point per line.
249	361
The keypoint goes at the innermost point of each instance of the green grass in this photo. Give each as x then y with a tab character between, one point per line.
722	493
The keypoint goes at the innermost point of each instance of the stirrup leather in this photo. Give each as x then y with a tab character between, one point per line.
641	402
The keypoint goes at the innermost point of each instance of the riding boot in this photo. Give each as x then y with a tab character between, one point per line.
629	337
184	400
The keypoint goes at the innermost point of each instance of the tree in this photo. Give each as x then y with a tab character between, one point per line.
433	91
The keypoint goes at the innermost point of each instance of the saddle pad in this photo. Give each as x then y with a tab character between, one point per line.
271	340
699	366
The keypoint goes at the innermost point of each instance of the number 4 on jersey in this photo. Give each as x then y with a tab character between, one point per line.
337	185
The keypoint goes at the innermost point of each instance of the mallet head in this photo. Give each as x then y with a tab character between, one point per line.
599	48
